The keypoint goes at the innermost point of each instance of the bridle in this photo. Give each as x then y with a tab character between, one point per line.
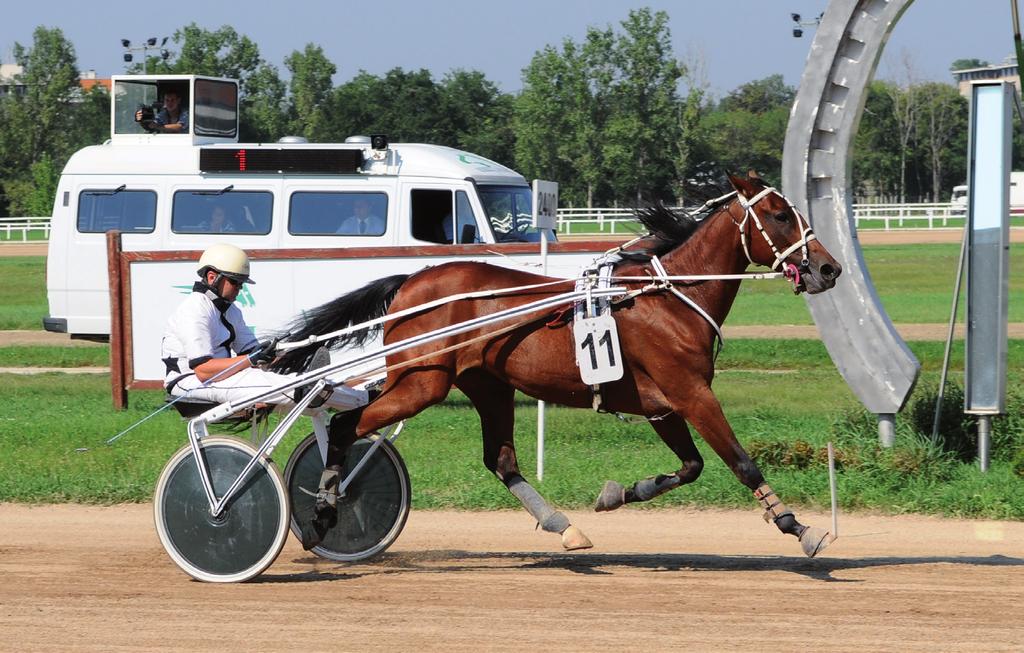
750	215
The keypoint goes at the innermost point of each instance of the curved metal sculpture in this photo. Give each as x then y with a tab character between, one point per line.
867	350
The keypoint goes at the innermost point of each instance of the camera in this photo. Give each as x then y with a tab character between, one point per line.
145	113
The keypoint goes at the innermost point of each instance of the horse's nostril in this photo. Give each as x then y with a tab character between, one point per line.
829	272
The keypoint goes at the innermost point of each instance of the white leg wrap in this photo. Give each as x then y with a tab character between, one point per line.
549	519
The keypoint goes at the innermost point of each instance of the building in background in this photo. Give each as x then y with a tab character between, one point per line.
1006	71
9	83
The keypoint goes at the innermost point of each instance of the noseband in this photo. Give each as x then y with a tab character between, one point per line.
749	214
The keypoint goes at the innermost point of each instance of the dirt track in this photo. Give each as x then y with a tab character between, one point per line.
79	578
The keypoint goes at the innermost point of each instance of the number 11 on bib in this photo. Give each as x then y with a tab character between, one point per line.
597	349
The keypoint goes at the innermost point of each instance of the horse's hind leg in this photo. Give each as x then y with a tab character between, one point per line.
704	412
494	401
674	433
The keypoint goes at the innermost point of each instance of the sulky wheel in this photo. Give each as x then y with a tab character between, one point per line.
373	510
246	537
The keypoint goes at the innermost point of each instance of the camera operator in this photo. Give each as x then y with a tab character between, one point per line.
171	119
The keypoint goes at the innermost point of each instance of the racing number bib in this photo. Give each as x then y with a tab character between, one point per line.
597	349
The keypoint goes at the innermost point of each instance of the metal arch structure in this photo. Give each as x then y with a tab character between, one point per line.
871	356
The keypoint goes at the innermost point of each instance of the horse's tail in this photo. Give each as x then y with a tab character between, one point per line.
367	303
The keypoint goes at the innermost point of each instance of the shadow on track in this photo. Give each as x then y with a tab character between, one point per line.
446	561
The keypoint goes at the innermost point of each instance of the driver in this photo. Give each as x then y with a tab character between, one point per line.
211	354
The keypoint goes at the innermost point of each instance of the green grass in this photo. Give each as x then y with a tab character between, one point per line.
914	282
23	292
34	235
48	356
46	418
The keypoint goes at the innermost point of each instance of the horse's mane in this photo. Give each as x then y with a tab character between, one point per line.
668	229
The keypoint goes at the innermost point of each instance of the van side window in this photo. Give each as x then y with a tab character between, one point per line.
221	212
131	211
343	214
432	215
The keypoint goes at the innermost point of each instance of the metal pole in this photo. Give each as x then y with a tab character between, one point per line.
886	429
832	490
540	404
984	436
949	336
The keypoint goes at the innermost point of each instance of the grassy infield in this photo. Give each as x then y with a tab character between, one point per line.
783	398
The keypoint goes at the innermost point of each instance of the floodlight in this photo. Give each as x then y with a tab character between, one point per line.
797	32
796	18
126	43
379	141
151	41
127	57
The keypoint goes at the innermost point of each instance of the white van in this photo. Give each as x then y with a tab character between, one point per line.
959	197
168	192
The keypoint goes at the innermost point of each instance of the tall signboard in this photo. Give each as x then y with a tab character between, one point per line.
988	256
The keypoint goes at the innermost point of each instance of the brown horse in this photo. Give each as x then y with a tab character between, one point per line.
668	349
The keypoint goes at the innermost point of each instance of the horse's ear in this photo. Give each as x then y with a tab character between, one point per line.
742	186
752	174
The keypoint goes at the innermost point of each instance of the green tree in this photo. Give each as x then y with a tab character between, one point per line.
310	87
876	159
222	52
38	122
405	105
263	113
942	125
477	115
40	129
964	64
738	141
760	96
642	125
562	114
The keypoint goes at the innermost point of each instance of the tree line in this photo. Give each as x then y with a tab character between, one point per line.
615	118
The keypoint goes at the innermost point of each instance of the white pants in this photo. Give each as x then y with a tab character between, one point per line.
251	380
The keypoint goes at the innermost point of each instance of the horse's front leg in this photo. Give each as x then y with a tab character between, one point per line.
494	402
702	410
674	433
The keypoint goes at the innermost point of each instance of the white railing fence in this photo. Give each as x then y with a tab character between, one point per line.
866	216
18	229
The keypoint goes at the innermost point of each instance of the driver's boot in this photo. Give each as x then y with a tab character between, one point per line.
325	509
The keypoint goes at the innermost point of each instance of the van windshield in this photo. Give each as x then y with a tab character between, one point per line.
509	209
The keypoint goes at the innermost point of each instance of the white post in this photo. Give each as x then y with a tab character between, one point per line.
545	216
540	402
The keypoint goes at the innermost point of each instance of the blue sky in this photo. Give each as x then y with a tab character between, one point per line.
737	40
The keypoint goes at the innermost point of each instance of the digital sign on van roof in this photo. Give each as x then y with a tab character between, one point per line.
281	161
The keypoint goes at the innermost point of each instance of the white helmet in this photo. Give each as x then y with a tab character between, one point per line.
227	260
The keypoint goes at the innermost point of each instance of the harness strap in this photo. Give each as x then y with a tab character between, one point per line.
666	284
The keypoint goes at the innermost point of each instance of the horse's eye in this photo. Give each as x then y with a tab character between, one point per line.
782	216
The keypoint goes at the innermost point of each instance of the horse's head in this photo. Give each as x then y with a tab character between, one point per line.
773	233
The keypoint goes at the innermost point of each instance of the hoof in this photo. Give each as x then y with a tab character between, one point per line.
573	539
814	540
612	496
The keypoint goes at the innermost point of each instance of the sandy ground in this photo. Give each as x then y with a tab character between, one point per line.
77	578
